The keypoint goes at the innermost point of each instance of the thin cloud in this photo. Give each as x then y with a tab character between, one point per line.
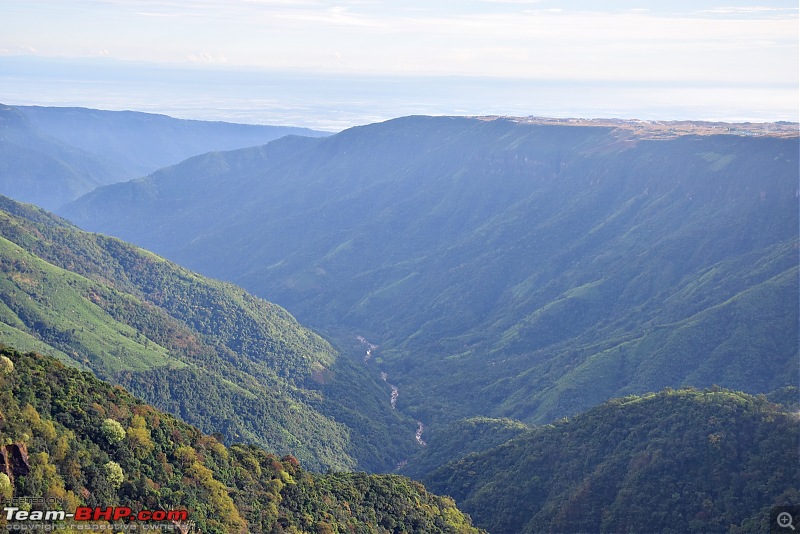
745	9
150	14
206	57
752	10
513	1
483	39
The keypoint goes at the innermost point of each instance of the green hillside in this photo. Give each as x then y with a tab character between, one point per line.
677	461
505	269
82	442
458	439
203	350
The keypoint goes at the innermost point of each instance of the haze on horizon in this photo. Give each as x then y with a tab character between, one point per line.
333	64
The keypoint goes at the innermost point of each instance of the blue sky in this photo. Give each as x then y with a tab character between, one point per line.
724	59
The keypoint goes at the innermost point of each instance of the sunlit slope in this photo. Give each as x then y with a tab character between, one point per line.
88	443
201	349
505	269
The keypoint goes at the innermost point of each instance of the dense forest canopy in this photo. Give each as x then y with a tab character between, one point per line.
88	443
676	461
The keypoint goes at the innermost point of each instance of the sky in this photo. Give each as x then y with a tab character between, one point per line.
334	64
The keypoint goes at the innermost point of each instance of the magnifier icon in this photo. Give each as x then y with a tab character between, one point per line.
785	520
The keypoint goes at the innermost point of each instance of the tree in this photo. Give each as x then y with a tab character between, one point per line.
6	490
6	365
114	474
112	431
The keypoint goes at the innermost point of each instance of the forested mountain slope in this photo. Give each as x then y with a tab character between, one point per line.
204	350
50	156
677	461
458	439
505	269
77	441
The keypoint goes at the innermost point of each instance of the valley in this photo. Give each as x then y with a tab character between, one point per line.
206	351
534	316
523	270
483	267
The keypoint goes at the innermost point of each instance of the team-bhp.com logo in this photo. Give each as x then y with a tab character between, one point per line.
19	519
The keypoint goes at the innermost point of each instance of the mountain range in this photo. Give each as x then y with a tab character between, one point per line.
493	303
504	268
50	156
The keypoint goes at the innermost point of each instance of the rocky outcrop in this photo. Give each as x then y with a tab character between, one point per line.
14	460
